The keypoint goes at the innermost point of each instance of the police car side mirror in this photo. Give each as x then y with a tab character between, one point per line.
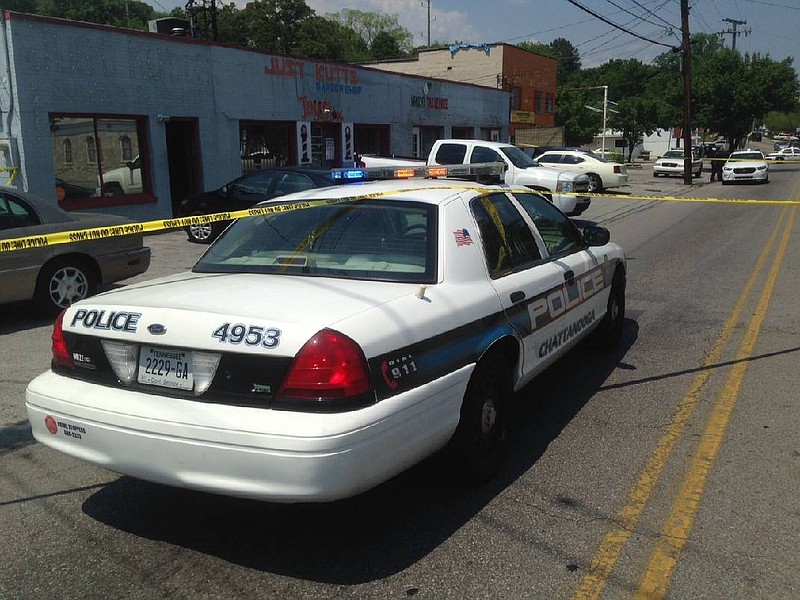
596	236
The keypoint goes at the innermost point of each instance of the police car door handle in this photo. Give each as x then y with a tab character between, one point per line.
569	277
517	296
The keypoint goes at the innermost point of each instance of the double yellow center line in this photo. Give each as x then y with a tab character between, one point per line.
676	529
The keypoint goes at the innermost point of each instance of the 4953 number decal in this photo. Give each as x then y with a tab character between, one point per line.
250	335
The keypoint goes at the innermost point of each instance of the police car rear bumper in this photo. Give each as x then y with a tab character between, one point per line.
281	456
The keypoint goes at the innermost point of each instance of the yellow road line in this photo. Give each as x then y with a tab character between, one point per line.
676	529
696	200
614	542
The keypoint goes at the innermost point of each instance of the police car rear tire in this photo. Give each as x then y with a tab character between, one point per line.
480	443
609	333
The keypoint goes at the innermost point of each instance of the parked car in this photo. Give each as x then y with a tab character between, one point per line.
790	153
671	163
244	192
745	165
535	151
610	154
601	172
69	191
318	350
56	276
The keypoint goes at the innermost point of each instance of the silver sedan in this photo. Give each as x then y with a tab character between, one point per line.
58	275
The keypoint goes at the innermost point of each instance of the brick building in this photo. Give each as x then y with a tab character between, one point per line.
529	78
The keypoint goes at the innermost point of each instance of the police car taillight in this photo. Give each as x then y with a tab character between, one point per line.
61	354
329	366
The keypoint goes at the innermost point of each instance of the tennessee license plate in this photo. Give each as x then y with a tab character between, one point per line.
164	367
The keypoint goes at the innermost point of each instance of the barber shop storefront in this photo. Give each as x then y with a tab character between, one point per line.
126	122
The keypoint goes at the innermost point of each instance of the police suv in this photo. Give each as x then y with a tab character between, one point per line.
332	339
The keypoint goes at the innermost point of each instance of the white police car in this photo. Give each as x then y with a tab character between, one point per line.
332	341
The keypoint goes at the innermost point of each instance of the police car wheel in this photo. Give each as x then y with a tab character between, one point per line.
609	333
480	442
595	183
63	282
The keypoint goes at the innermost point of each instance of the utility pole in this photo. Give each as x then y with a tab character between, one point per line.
429	21
686	67
734	32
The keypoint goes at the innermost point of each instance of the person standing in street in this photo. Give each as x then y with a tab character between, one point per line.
717	158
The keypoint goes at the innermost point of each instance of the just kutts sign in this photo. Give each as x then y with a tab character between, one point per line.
327	78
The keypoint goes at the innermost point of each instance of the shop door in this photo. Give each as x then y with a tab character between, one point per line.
182	155
326	151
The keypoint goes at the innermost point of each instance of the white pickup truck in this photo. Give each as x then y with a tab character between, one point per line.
563	188
124	180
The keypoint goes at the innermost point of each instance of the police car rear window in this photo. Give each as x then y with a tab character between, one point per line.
366	239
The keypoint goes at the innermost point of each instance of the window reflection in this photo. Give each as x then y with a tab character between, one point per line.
95	156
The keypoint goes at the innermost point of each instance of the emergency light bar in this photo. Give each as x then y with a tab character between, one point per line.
470	170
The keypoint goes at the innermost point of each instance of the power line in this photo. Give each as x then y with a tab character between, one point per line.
648	11
670	29
774	4
614	25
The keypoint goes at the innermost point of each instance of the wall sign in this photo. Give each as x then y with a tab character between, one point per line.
319	110
428	101
327	77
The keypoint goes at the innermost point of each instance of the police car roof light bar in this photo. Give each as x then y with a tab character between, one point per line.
469	170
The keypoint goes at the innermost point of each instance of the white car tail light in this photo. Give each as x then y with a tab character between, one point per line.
122	358
329	366
61	355
204	367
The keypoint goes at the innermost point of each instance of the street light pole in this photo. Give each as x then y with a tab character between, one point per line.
605	116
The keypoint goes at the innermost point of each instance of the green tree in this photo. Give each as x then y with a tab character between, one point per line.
274	25
782	121
319	37
118	13
369	24
538	48
23	6
385	45
569	59
730	91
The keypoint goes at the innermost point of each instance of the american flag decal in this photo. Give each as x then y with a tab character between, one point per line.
462	237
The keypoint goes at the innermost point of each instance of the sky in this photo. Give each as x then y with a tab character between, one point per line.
770	26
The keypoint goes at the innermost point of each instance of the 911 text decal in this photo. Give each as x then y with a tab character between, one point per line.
395	369
251	335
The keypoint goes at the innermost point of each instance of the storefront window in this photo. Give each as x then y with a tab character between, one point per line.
265	144
110	166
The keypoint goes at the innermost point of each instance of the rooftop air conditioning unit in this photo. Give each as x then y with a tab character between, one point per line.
170	26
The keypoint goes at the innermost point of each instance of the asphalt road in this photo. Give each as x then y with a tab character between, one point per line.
673	464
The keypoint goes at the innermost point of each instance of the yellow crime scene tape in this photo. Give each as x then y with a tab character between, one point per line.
98	233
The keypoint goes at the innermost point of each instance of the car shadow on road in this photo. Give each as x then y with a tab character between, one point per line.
376	534
22	316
